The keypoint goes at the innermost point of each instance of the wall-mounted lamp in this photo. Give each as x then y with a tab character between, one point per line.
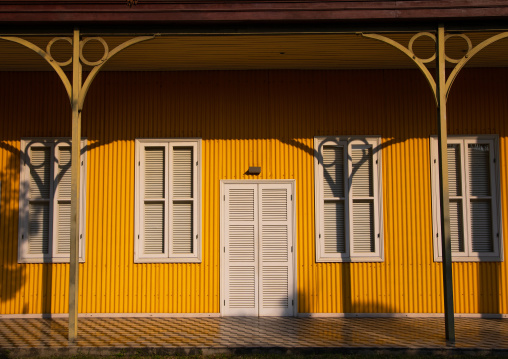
254	170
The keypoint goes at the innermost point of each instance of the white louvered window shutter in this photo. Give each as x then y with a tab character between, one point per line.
154	200
334	198
348	202
62	204
456	192
45	200
167	201
362	199
183	199
481	224
39	221
473	181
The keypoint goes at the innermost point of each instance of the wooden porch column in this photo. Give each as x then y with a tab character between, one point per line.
75	200
443	185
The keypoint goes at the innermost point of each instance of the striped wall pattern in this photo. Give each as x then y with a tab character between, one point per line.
249	118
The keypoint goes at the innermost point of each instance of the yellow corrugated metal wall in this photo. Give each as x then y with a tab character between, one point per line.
249	118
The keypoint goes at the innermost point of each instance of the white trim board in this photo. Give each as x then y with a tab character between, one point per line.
215	315
111	315
401	315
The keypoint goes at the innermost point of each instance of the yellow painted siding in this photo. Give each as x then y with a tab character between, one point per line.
249	118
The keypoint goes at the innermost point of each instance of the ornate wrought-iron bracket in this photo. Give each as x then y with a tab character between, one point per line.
421	63
96	65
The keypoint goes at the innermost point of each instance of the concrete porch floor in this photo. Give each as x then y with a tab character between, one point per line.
233	335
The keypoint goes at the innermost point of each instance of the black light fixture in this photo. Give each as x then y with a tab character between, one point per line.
254	170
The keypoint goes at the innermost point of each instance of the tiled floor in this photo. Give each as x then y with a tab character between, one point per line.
251	332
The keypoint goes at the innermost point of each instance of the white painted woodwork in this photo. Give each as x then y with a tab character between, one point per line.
241	265
348	201
167	214
38	230
473	178
63	200
258	249
276	260
45	200
362	195
182	189
40	193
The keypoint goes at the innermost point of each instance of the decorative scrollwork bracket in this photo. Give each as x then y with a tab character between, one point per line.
96	65
421	63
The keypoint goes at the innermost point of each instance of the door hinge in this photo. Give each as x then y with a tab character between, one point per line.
224	197
291	249
291	197
224	302
292	302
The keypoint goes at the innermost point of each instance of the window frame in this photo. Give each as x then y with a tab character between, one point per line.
168	144
468	255
348	142
53	143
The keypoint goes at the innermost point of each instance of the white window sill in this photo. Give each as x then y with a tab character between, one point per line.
471	259
167	260
47	260
350	260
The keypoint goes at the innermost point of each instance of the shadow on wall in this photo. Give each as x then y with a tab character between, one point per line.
488	273
12	274
489	288
37	297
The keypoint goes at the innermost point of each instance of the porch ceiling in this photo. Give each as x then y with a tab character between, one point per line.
252	51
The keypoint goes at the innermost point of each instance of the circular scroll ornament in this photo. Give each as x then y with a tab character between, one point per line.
98	62
414	38
469	47
48	50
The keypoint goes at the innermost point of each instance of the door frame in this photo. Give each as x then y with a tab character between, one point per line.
223	184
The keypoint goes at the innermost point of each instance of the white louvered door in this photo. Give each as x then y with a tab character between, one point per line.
258	258
276	264
241	250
